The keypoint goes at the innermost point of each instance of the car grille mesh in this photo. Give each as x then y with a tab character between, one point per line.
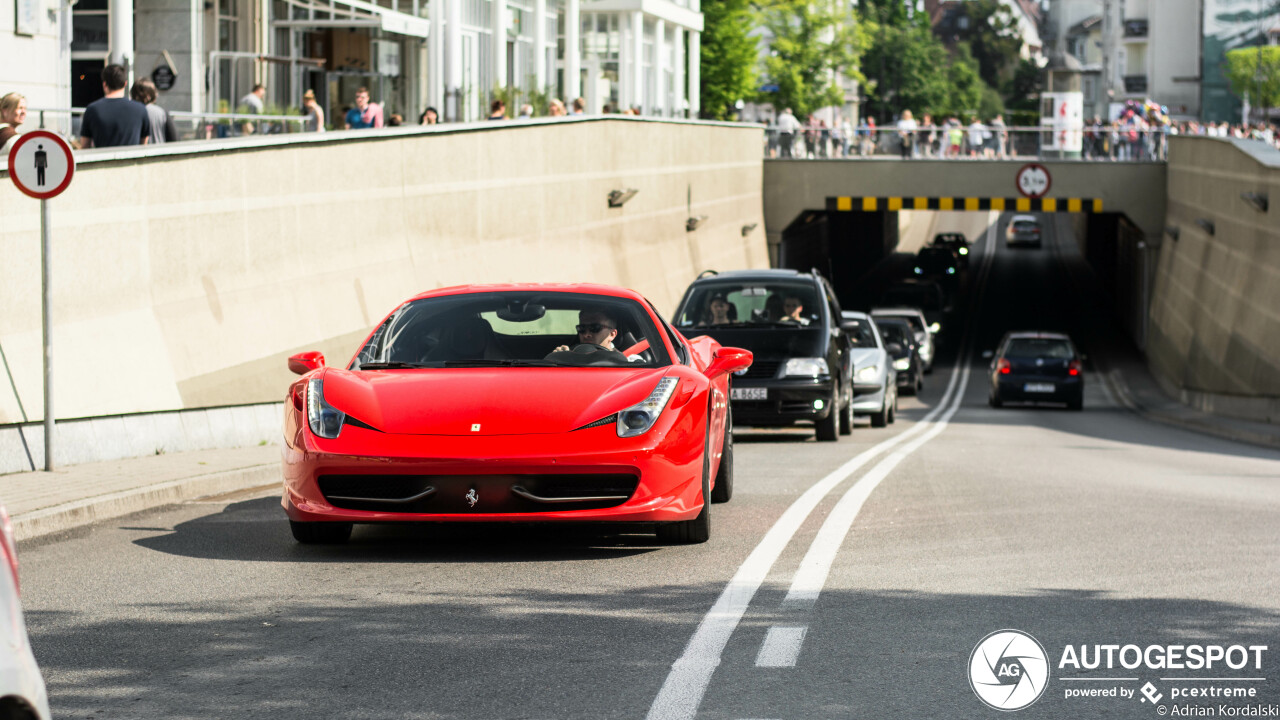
448	494
762	369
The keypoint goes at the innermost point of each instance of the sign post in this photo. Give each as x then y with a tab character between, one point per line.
41	165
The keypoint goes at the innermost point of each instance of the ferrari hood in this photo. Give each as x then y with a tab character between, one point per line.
486	401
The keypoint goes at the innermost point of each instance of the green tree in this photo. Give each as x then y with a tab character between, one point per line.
905	65
812	44
993	39
728	60
1022	91
964	85
1255	71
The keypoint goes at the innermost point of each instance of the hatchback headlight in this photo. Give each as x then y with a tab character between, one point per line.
964	251
325	420
806	367
637	419
868	373
902	364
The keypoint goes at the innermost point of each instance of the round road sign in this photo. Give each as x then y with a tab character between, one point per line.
1034	180
41	164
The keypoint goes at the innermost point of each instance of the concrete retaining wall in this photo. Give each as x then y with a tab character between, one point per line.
1214	336
185	275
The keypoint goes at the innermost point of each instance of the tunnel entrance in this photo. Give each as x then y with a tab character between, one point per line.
853	238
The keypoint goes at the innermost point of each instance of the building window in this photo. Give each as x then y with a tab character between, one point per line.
228	22
90	28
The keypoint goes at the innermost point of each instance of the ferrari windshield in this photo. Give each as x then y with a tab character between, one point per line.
750	303
515	329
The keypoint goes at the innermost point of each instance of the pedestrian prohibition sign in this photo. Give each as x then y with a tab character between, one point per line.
41	164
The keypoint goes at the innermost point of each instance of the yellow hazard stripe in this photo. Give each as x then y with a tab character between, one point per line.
1018	204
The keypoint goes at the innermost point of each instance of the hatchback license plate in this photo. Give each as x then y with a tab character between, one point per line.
1038	387
749	394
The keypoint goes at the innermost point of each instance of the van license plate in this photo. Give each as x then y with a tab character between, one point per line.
749	394
1038	387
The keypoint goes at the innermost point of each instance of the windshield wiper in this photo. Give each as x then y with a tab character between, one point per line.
392	365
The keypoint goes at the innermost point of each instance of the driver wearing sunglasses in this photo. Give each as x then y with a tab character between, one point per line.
594	328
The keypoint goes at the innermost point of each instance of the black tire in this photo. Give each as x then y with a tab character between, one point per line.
909	389
893	409
320	533
846	414
919	383
881	418
697	530
827	430
994	400
723	490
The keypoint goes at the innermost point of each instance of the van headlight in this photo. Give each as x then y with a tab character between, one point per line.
637	419
325	420
868	373
806	367
902	364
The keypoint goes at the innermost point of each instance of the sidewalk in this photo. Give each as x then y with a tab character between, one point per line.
1134	387
41	503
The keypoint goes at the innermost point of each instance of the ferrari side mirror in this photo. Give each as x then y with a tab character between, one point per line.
727	360
303	363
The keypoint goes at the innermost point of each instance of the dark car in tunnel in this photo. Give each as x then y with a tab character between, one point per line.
900	343
1036	367
802	369
953	241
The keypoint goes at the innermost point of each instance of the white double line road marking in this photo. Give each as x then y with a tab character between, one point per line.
682	692
781	647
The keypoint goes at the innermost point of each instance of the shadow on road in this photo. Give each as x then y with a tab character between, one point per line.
306	646
257	530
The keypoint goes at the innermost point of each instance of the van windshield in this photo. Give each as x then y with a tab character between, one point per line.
750	303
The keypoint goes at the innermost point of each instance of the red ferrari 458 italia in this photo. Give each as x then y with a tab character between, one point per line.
513	403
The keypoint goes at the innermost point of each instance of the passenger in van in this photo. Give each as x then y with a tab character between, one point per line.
773	308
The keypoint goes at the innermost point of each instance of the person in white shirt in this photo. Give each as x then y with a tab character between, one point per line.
907	134
787	127
977	137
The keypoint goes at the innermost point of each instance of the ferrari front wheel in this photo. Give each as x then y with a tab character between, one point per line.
320	533
697	530
723	490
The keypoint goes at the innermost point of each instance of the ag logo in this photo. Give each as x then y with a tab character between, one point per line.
1008	670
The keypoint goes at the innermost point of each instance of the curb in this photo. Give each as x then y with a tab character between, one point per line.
79	513
1115	381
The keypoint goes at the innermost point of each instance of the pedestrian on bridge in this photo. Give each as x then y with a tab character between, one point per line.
907	134
787	127
13	112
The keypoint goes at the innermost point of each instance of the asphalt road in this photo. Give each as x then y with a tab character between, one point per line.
844	580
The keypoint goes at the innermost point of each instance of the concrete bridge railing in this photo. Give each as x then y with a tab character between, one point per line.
183	276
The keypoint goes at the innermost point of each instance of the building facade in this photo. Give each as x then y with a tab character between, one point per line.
454	55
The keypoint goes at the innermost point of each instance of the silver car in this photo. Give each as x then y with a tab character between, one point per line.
875	382
1023	230
920	327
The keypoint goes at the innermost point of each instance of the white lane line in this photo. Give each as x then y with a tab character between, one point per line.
690	674
816	566
682	692
781	646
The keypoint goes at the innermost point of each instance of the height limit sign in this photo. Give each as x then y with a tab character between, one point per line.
1033	180
41	165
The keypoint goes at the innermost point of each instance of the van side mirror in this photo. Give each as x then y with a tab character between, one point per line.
303	363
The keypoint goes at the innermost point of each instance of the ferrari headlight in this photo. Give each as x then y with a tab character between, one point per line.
637	419
902	364
806	367
868	373
325	420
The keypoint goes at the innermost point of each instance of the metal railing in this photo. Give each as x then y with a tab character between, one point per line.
1106	143
189	126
